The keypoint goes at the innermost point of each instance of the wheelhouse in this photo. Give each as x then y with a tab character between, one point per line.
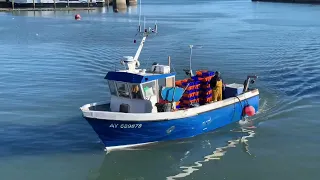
137	92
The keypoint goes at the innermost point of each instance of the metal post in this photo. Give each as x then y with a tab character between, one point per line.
12	4
68	4
247	84
191	46
34	4
169	61
54	1
191	74
88	3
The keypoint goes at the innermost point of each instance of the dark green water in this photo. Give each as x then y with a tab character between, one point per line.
50	65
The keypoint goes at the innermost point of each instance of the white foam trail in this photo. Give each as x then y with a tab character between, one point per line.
216	155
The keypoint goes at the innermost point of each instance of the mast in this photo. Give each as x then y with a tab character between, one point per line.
145	33
191	46
189	71
133	62
139	16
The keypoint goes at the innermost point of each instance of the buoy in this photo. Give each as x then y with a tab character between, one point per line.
249	110
77	17
134	41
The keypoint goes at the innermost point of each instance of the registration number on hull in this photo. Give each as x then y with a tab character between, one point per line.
125	126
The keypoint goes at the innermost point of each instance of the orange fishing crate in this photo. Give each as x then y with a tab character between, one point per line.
184	82
205	86
190	88
206	100
187	102
206	92
204	73
189	95
179	82
199	72
197	86
205	79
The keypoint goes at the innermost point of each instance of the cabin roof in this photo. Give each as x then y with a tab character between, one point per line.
135	78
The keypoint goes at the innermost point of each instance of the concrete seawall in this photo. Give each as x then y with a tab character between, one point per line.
44	6
119	4
131	2
5	5
291	1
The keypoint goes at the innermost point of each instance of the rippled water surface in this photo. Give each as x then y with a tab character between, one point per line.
50	65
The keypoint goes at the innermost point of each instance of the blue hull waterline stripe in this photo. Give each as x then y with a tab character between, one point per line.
120	133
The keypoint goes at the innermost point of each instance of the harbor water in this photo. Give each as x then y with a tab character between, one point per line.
50	65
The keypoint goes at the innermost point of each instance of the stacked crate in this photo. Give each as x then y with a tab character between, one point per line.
205	92
191	93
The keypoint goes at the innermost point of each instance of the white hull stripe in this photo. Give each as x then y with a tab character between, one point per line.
138	117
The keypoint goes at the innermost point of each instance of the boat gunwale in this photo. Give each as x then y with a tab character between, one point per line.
163	116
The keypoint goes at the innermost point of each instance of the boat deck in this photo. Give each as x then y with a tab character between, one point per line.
100	107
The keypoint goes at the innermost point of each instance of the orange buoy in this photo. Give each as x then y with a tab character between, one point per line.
249	110
77	17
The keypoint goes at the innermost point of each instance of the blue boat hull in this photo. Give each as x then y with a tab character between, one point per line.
125	133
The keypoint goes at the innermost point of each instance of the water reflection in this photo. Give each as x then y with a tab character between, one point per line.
176	159
216	155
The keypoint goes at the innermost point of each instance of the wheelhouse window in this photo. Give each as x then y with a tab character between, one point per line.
112	88
170	82
123	90
166	82
162	83
136	92
149	89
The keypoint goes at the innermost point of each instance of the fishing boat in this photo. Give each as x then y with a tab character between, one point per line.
149	105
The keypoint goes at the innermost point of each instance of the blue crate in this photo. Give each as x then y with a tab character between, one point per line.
186	83
196	82
196	89
189	91
206	74
195	78
190	98
233	90
205	83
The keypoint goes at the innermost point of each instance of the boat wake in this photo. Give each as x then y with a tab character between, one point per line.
216	155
